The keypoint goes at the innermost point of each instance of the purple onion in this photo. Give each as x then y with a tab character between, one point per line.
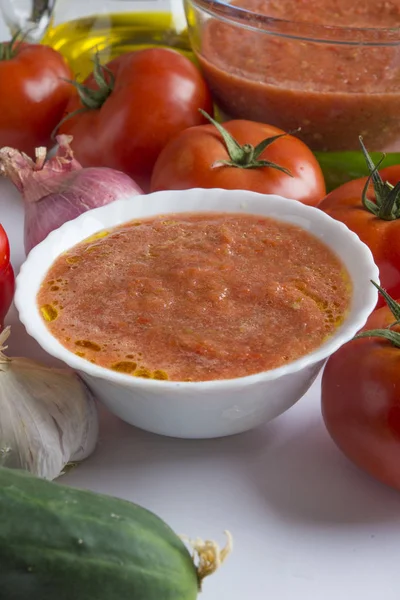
60	189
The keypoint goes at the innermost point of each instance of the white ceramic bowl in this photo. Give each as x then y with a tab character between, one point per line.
212	408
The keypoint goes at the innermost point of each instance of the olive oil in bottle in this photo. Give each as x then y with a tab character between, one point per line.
110	35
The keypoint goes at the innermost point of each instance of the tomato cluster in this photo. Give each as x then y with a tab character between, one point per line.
138	106
361	381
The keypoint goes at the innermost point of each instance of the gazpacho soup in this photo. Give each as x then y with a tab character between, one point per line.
335	86
195	296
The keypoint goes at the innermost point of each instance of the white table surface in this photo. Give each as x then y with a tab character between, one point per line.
307	525
3	29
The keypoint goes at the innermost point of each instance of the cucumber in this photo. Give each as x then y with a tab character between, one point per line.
60	543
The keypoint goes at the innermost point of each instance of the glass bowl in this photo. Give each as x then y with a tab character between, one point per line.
335	83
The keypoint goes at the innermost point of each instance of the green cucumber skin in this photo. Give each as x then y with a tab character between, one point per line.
60	543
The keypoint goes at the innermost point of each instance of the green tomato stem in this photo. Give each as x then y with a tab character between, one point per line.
105	80
9	50
91	99
387	334
387	196
246	156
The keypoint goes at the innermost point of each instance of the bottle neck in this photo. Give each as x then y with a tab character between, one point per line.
42	8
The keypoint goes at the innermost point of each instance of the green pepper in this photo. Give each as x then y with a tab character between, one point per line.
340	167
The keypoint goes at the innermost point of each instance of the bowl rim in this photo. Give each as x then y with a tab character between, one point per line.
54	348
301	30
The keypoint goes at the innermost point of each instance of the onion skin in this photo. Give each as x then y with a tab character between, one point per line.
59	189
44	216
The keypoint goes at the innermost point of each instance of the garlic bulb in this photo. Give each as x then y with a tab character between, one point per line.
48	417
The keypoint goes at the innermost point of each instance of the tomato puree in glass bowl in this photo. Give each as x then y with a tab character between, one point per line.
330	67
195	296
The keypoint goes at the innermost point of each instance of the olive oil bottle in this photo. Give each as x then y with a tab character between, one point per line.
81	28
110	35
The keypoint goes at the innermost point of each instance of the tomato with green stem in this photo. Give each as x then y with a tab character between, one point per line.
34	94
124	114
370	207
240	155
360	395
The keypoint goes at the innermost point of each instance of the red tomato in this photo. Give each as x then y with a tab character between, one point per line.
7	282
195	158
33	96
361	401
156	93
381	236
